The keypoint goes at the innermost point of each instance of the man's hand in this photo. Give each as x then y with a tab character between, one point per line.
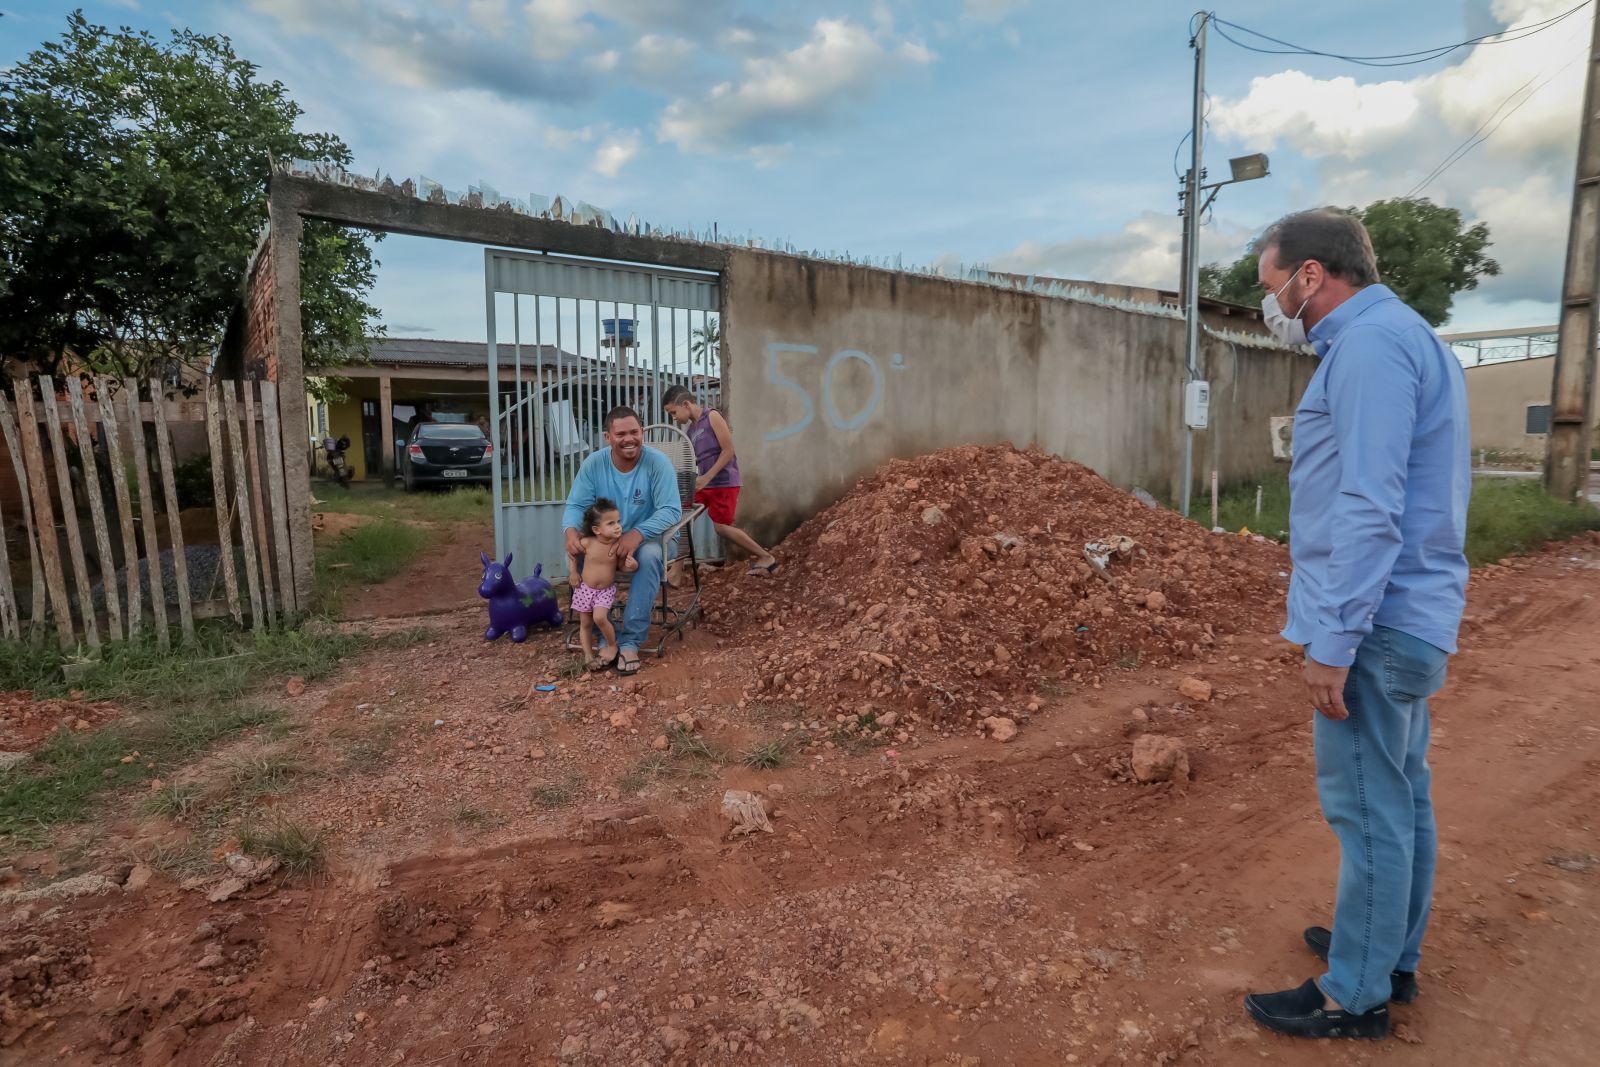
701	482
626	544
1325	686
574	543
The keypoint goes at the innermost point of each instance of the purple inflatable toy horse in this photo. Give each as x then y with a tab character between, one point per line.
513	605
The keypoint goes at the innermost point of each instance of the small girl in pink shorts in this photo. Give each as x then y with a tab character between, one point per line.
594	584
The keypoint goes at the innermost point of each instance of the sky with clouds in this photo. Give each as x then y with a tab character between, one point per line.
1028	135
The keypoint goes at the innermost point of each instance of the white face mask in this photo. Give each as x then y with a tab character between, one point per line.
1291	331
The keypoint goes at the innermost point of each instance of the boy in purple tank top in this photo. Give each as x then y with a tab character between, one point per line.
718	485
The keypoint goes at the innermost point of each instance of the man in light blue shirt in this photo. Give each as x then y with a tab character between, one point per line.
1377	525
644	486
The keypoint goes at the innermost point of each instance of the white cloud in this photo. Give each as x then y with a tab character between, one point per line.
779	95
494	15
1383	139
1144	252
559	137
605	62
989	10
661	58
1147	251
1316	117
616	152
557	28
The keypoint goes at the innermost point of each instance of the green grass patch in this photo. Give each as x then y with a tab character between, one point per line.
298	850
684	743
467	504
768	755
764	713
688	757
180	703
371	553
554	795
175	800
261	774
1507	516
474	817
1236	508
1512	517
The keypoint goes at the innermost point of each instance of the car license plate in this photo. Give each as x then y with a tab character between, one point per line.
454	474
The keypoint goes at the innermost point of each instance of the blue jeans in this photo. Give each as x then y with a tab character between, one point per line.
1373	778
643	590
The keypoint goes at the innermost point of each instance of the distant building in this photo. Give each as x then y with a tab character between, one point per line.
1510	374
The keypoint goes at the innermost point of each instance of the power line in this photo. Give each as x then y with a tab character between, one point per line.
1398	59
1474	139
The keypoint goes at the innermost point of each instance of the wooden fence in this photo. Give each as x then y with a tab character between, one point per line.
90	467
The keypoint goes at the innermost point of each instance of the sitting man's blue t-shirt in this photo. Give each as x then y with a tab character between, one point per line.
648	500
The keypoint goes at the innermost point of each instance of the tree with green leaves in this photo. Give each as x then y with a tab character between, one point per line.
705	342
1424	254
133	177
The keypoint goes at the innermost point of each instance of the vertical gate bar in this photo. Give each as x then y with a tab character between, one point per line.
571	405
528	399
494	399
596	368
147	513
106	410
69	511
599	336
537	447
518	471
97	507
655	319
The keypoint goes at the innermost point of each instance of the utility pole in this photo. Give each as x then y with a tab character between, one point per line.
1566	464
1191	258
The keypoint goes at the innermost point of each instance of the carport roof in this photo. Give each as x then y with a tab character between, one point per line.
427	352
423	352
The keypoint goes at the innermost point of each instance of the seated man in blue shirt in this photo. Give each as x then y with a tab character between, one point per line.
644	486
1377	527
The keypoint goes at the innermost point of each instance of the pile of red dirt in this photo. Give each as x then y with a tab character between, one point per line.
949	586
25	721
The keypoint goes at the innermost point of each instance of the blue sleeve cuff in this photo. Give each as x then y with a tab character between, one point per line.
1335	649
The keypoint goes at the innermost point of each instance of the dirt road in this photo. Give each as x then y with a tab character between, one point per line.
503	892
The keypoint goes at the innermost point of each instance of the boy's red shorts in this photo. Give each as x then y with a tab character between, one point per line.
720	502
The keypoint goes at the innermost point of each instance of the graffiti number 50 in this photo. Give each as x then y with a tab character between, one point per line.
830	409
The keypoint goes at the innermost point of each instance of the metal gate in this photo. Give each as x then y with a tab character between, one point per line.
570	339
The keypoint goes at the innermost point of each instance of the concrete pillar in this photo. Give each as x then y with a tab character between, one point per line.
386	427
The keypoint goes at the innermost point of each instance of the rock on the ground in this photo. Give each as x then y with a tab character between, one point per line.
1195	689
1000	728
295	686
1159	758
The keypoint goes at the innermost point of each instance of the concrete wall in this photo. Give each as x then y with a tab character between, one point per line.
831	369
1498	395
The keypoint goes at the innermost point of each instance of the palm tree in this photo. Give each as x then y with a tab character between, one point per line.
705	343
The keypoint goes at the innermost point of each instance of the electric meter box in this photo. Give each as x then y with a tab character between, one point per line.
1197	405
